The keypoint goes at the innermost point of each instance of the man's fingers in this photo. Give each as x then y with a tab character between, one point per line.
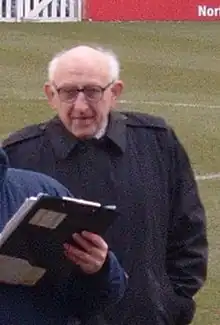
72	257
78	256
95	239
89	247
93	254
83	242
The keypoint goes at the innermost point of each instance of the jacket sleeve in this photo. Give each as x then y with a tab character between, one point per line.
46	184
89	295
187	241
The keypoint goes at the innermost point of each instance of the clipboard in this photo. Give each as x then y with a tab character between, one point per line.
31	243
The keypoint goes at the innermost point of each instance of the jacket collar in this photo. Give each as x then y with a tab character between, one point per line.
3	166
63	142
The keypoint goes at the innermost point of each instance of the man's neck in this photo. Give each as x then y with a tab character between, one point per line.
102	130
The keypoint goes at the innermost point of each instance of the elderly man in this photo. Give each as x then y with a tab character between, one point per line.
134	161
102	281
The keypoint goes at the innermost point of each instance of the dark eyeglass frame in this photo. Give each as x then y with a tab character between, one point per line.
97	94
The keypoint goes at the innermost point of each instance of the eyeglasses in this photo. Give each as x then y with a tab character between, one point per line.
92	93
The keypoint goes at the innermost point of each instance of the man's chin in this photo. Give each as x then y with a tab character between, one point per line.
84	134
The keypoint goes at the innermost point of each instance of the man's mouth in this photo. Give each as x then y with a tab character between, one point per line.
83	118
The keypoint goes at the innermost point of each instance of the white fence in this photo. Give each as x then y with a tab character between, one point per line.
40	10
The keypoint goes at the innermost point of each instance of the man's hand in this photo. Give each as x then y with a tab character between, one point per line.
93	255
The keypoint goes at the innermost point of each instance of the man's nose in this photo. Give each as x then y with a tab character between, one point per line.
80	102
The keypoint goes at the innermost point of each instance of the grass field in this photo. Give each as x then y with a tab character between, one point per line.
170	69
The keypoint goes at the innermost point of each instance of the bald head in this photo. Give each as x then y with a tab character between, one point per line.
85	59
83	88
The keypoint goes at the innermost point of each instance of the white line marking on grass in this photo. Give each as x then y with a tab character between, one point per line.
207	177
157	103
163	103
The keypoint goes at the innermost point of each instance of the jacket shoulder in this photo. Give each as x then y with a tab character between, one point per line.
142	120
27	133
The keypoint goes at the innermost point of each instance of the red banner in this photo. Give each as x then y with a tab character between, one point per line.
135	10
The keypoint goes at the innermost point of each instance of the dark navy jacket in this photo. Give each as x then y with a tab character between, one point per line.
79	296
141	166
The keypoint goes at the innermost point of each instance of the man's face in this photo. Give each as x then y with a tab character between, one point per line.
82	95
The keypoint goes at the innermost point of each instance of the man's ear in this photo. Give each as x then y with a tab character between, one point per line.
50	94
117	88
